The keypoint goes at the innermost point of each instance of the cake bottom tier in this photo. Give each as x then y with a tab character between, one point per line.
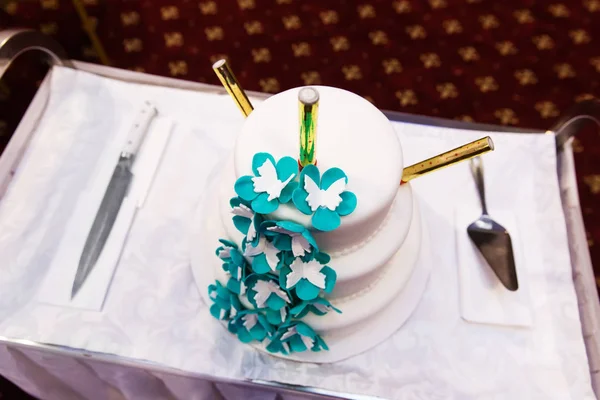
368	317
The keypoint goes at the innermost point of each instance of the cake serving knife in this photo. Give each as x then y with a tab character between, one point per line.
492	239
113	198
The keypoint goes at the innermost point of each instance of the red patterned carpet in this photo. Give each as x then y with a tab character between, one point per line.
515	62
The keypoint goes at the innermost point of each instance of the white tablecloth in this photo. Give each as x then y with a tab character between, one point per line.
153	311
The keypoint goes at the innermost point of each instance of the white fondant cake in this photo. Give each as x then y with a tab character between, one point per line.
373	250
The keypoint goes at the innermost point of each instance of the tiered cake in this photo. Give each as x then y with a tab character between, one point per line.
308	256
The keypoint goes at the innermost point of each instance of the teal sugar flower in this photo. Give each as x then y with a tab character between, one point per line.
278	317
265	256
290	236
245	219
226	252
273	183
296	337
250	325
307	278
264	292
321	257
276	345
319	306
234	264
325	198
226	304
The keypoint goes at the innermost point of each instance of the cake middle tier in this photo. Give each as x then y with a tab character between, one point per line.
358	266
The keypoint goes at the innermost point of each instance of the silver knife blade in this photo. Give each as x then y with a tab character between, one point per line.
105	219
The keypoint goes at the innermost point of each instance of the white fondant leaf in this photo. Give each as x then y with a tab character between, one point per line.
318	197
268	181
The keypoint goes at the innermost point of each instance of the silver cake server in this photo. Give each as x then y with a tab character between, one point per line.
492	239
113	198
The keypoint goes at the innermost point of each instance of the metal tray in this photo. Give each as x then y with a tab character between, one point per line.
15	42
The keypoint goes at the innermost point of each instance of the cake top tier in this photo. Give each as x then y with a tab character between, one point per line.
352	135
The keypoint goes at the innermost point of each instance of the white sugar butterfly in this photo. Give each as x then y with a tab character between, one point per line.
311	271
268	181
329	197
263	291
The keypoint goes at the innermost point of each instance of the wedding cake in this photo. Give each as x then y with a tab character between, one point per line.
307	258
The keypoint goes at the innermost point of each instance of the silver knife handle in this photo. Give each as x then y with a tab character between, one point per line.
139	129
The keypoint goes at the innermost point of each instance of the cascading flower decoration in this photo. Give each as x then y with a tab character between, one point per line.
278	274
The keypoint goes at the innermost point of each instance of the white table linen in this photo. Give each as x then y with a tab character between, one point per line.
153	310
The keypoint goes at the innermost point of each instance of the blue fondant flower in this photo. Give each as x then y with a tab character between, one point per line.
318	306
236	283
290	236
226	304
272	183
245	219
265	292
278	317
234	264
321	257
251	325
307	278
265	256
276	345
225	251
300	337
326	198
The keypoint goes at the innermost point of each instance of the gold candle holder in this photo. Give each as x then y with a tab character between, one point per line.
308	104
448	158
232	86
